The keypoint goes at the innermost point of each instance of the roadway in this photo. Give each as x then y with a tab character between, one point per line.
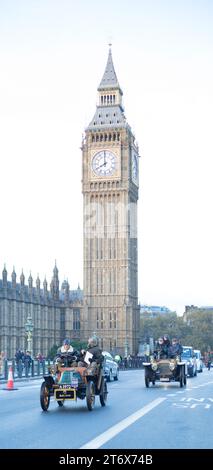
163	416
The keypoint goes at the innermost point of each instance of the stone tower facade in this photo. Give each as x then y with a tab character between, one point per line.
110	179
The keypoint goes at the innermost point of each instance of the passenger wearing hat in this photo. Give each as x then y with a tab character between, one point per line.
65	354
93	348
66	347
95	366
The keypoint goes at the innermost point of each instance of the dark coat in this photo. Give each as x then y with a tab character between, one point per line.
161	351
97	354
175	350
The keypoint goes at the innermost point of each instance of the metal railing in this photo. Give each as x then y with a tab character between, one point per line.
131	363
24	370
39	368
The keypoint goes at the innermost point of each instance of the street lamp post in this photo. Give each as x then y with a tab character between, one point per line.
29	331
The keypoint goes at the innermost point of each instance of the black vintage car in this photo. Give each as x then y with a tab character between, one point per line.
165	370
68	381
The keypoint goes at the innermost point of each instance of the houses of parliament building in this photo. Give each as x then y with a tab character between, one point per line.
55	313
108	304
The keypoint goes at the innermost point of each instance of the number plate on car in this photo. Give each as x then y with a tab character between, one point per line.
164	379
74	382
65	394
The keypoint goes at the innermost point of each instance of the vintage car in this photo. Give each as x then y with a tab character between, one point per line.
165	370
68	381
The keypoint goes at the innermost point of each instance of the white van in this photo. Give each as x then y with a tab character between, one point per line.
199	360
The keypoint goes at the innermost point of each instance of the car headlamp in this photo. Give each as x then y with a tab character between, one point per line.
154	365
172	365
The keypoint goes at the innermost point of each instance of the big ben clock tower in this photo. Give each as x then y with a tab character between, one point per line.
110	193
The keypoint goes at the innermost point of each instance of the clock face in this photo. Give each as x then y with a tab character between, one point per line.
134	166
104	163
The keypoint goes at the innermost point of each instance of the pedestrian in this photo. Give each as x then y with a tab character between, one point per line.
27	360
118	358
39	357
19	358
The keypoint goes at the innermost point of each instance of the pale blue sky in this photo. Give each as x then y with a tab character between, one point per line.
52	58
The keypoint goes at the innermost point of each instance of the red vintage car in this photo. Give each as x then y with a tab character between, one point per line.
72	382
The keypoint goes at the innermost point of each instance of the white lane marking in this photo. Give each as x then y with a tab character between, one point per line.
206	383
114	430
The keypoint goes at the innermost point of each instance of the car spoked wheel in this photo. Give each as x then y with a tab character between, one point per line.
181	379
103	393
44	397
90	395
116	376
147	382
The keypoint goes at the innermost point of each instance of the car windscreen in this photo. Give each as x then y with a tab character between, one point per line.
187	352
107	355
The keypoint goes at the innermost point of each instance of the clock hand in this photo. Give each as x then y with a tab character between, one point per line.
103	164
